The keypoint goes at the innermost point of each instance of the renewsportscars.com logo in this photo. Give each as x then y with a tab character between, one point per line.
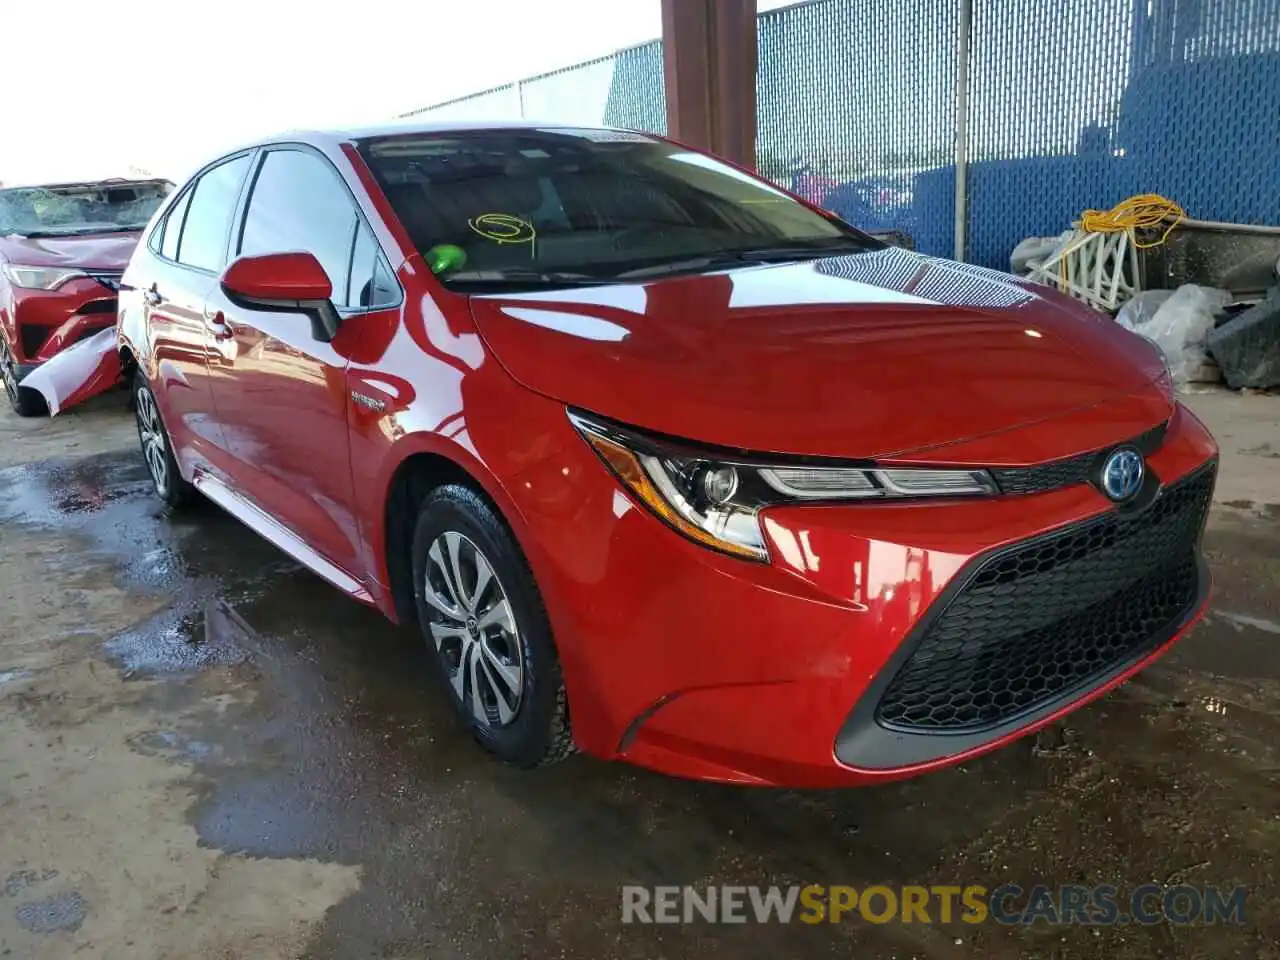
1103	905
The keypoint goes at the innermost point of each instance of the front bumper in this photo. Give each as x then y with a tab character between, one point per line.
705	666
1026	630
45	322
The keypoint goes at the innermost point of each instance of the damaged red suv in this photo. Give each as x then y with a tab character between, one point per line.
661	462
62	250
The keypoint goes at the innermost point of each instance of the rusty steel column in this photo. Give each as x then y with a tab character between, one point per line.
709	57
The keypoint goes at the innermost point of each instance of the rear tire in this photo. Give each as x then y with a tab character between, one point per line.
157	448
486	630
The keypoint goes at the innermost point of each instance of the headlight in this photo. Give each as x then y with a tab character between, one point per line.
715	499
40	278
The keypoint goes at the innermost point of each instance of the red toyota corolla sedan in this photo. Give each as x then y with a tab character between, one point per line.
662	463
62	250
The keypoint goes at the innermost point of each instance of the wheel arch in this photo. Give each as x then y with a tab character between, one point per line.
419	469
128	361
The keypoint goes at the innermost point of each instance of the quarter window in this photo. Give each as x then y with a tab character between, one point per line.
371	284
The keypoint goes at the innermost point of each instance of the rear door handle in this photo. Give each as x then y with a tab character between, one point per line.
218	326
152	297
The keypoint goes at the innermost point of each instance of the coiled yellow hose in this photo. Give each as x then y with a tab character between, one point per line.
1145	211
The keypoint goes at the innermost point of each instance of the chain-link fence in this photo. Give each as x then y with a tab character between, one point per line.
1069	105
624	89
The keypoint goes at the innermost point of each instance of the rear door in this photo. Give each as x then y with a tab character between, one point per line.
282	396
188	250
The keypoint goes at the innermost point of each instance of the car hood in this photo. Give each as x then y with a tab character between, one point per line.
103	251
879	354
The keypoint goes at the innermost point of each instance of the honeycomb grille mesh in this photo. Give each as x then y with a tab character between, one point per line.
1065	473
1034	623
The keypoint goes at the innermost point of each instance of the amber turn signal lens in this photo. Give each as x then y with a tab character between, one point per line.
628	469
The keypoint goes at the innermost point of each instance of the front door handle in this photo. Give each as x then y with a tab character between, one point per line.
152	297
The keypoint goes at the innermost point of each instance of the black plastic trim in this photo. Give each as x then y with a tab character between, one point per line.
633	729
1085	467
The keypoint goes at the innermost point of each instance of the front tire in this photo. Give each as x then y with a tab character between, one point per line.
24	401
157	448
486	629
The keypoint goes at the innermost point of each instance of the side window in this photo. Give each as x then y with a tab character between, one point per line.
371	282
211	208
171	229
298	203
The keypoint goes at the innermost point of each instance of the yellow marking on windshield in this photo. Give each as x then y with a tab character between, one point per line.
503	228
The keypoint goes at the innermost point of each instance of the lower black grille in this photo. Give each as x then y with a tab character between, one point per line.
32	338
1052	614
105	305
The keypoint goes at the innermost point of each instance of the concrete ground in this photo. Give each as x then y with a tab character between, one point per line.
207	752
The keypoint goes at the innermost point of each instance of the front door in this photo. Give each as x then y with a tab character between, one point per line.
281	395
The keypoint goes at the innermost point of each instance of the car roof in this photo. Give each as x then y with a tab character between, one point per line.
410	126
108	182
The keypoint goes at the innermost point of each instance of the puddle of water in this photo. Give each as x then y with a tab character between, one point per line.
1213	705
182	641
63	911
171	743
20	880
60	489
8	676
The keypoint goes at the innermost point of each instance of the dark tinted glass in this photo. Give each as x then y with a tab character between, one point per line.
371	284
558	204
298	203
386	290
212	205
173	227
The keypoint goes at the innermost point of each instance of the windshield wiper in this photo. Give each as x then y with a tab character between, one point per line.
771	254
734	258
689	265
36	234
47	234
503	278
119	228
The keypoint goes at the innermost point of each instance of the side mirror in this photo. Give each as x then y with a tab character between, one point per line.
284	281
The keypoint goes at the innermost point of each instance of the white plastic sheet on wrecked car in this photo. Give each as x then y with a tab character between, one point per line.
81	371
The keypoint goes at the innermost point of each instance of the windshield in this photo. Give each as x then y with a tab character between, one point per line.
527	207
72	209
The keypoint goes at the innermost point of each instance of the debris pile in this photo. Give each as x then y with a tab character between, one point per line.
1207	334
1247	347
1178	322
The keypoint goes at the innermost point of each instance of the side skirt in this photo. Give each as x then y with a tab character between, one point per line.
277	534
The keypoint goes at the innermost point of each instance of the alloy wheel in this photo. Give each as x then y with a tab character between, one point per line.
475	631
7	374
154	445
